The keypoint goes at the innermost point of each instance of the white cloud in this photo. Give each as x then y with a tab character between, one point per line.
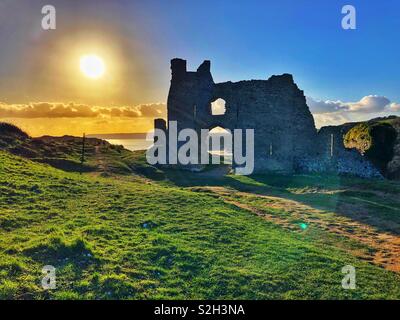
367	104
330	119
395	107
320	106
74	110
331	112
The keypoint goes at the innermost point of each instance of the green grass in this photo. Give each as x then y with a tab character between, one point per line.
130	238
66	153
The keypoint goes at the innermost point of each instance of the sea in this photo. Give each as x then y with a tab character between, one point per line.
144	144
132	144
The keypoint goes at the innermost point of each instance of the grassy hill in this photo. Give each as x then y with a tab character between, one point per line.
65	153
195	236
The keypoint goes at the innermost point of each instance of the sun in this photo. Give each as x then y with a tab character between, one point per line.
92	66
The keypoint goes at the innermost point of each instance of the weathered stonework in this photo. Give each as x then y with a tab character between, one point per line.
330	155
286	139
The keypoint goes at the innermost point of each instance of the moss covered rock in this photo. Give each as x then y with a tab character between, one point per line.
375	140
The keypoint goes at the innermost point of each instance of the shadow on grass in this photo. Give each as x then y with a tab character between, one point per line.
369	201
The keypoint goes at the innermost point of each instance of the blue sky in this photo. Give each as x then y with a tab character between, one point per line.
250	39
254	39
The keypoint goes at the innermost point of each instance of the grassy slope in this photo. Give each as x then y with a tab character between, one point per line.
112	238
65	152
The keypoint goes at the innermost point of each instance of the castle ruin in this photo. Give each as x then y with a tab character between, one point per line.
286	139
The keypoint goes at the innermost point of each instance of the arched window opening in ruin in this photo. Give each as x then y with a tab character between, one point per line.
218	107
221	144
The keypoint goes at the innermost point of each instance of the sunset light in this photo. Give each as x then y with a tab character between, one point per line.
200	159
92	66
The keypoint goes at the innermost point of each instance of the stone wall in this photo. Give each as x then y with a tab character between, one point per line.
331	156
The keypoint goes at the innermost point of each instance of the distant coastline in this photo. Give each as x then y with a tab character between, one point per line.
107	136
135	141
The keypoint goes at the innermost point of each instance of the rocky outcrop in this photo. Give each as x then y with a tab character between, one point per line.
367	149
375	140
393	166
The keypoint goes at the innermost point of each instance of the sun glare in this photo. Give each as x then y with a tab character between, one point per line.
92	66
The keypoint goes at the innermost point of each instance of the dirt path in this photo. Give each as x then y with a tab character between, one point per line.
386	247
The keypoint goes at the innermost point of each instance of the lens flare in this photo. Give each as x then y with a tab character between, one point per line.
303	226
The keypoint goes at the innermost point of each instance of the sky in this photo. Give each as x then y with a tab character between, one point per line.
346	75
